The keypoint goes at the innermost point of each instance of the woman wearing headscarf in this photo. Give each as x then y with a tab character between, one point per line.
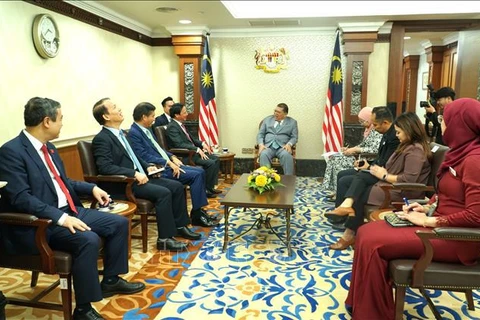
344	160
370	293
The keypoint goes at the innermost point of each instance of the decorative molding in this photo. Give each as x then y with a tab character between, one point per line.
383	37
78	10
439	25
451	38
271	32
361	26
188	30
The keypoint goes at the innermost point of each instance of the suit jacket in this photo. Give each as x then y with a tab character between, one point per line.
177	138
30	188
143	147
287	133
161	120
388	145
111	158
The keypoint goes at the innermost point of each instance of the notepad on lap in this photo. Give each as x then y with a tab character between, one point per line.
393	220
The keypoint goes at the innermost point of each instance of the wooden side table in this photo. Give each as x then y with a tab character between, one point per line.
227	159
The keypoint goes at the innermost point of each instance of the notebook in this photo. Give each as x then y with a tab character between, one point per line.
393	220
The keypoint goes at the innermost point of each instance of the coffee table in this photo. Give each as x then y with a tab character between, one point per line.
280	198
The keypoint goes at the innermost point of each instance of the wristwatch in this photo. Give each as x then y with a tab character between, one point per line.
384	178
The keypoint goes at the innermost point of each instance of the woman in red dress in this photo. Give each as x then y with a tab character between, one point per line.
370	295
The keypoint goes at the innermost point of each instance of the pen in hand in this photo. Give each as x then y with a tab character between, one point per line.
406	201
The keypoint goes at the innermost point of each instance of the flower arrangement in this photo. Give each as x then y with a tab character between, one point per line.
264	179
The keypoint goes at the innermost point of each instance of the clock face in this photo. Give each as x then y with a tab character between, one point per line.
46	37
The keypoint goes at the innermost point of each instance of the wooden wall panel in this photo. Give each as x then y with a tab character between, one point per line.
71	161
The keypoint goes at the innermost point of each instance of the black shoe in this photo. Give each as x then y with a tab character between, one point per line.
186	233
203	220
209	217
214	191
121	287
171	244
211	195
92	314
333	219
340	226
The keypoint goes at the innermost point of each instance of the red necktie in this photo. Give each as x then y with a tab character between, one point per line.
58	179
186	132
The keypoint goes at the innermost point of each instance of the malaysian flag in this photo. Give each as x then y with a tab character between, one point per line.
332	132
208	128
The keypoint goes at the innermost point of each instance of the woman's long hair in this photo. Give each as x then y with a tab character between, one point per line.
413	127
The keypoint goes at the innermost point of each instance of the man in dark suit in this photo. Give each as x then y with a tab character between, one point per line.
147	148
114	156
179	137
38	185
382	120
164	119
277	134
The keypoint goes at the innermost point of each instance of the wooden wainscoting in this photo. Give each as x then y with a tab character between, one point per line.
71	161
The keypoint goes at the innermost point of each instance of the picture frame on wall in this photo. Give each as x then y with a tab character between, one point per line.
424	80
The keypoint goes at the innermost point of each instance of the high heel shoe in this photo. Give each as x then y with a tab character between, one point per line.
340	212
342	244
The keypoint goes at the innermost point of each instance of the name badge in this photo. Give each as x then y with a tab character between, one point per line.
452	171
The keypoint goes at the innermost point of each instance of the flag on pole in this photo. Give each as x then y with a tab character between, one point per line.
332	131
208	128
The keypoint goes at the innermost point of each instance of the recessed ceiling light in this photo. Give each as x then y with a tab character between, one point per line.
407	38
184	21
166	9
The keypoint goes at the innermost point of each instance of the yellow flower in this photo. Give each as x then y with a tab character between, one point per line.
276	176
249	288
250	178
265	169
261	181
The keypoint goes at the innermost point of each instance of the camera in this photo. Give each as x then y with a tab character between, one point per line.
431	93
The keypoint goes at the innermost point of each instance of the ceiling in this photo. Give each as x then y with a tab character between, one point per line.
213	16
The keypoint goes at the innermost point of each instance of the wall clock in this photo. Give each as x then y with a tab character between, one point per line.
46	36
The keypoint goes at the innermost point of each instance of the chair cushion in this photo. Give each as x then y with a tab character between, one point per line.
437	274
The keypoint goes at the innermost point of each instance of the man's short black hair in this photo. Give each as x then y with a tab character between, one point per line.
164	101
143	109
38	109
382	114
283	106
99	110
176	109
445	92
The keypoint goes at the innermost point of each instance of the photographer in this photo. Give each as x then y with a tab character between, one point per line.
441	98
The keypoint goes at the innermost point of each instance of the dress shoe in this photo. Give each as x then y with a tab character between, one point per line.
342	244
121	287
340	226
340	212
214	191
92	314
211	195
171	244
186	233
337	219
203	221
209	217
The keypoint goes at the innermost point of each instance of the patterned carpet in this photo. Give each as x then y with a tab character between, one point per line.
253	279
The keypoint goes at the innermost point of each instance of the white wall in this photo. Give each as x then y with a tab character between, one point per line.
91	64
378	75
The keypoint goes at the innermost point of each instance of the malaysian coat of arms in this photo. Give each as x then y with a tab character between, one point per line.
271	60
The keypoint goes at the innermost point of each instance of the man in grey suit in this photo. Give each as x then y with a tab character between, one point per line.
277	134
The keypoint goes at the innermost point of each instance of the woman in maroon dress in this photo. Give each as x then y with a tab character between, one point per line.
370	295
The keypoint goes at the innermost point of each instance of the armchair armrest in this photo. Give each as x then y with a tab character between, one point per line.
114	179
403	186
41	225
444	233
181	152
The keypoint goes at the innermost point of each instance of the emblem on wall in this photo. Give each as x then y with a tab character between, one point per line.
271	60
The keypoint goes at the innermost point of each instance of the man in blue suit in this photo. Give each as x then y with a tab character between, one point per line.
276	137
164	119
38	185
146	147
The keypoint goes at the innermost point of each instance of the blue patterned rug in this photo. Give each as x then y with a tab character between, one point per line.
256	279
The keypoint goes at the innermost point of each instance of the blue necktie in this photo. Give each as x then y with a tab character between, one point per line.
156	145
131	154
